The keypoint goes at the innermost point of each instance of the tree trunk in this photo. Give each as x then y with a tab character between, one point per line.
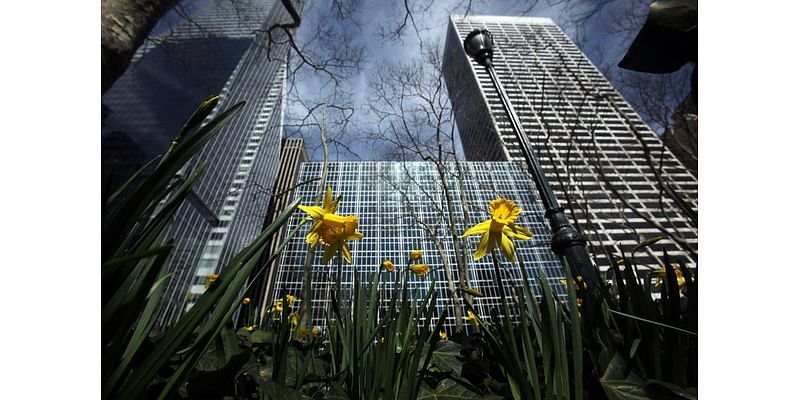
125	25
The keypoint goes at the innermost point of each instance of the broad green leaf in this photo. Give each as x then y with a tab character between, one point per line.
260	337
445	357
294	366
621	386
447	389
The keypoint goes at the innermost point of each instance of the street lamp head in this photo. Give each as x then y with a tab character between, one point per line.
480	46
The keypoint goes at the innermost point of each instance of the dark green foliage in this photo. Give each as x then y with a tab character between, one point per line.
136	362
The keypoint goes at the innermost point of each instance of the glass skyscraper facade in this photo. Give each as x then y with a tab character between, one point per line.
618	182
403	206
224	50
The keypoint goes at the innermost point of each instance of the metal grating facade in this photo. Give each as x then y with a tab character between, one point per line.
402	206
613	175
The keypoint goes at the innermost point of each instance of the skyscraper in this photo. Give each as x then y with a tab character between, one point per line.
618	182
224	50
403	206
293	154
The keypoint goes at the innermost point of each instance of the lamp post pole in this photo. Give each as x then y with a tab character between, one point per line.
566	240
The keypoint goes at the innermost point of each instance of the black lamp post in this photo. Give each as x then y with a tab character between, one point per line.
566	241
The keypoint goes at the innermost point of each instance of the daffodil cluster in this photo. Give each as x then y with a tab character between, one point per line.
419	269
277	306
499	229
331	230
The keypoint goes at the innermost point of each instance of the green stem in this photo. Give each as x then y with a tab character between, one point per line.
338	275
509	331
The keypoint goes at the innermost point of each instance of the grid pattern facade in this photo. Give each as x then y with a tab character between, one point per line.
225	51
613	175
401	206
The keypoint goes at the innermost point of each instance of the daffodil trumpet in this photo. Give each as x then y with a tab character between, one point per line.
499	230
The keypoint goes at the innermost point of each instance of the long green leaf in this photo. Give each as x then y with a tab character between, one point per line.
113	198
122	330
576	335
143	327
151	233
120	222
178	334
229	303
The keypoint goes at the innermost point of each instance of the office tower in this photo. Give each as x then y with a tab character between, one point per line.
616	180
402	206
173	72
223	50
293	154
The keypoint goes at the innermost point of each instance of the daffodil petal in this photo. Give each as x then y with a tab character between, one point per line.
517	232
355	236
507	247
346	253
314	211
482	227
483	247
312	238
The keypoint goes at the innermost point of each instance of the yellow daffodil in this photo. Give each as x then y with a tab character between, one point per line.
315	331
290	300
211	279
388	265
662	275
499	230
472	319
246	301
250	328
277	307
442	335
420	269
416	254
294	318
579	279
331	230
